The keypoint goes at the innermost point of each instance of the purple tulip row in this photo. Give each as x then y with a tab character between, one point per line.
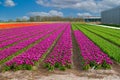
17	39
34	54
26	36
89	51
22	32
13	49
62	52
11	31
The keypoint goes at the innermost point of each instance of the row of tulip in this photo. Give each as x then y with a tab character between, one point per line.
18	25
16	48
16	33
25	36
112	32
60	57
112	50
12	31
91	54
32	56
113	39
17	40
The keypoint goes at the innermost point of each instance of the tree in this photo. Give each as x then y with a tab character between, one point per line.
18	20
32	19
10	20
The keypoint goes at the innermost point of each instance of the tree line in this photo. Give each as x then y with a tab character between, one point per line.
55	18
45	18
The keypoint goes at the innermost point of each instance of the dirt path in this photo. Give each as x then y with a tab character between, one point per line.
69	74
76	54
116	67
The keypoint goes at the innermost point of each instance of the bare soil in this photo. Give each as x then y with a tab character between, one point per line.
69	74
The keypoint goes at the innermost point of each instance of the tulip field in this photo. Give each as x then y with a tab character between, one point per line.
107	39
26	46
14	25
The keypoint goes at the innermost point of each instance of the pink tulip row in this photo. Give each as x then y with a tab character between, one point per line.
25	35
14	49
62	52
16	33
35	53
12	33
91	54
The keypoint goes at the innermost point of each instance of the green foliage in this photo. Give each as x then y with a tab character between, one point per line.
113	39
62	68
98	66
51	68
74	27
18	67
27	67
69	66
112	32
57	65
7	68
46	65
92	64
106	66
86	67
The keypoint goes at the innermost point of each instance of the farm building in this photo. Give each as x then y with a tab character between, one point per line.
92	19
111	16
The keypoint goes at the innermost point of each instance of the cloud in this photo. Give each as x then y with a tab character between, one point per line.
50	13
83	14
107	4
25	17
94	6
9	3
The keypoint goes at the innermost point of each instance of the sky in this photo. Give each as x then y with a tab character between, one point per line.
12	9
